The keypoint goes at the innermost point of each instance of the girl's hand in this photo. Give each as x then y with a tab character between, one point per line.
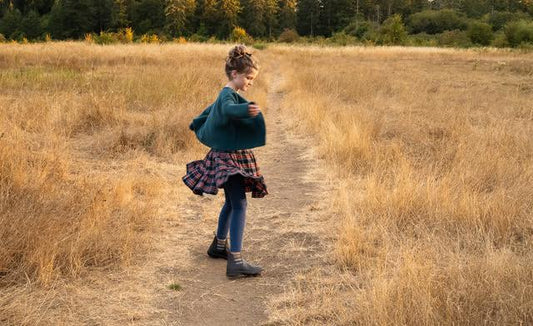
253	110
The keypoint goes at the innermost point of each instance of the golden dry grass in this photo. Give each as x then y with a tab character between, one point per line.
432	151
431	148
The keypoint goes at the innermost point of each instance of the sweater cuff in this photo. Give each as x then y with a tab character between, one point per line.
238	111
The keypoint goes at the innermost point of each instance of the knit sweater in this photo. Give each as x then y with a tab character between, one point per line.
226	125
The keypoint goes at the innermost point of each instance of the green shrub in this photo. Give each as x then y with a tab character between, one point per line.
393	31
455	38
288	35
422	39
104	38
499	41
436	21
358	28
238	34
341	38
2	38
518	32
364	30
214	40
197	38
259	46
498	19
480	33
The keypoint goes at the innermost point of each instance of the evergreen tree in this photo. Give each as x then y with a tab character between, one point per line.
286	15
10	25
335	15
148	16
31	25
271	10
211	16
178	14
100	15
252	17
229	11
120	16
307	17
69	19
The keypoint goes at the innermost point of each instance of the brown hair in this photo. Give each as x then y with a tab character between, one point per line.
240	59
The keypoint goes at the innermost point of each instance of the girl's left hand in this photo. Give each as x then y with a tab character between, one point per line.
253	110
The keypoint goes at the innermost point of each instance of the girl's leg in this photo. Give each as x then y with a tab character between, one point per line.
223	218
234	187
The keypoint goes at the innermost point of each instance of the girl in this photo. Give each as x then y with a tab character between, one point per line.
231	126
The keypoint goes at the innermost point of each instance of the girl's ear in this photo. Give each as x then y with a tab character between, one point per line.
233	74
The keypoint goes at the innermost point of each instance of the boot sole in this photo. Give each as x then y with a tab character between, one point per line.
241	275
216	256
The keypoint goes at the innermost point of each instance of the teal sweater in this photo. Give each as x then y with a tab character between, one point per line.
226	125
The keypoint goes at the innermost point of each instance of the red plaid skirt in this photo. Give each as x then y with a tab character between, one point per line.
213	171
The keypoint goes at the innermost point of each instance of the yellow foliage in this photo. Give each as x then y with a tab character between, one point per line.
129	34
89	38
48	38
239	35
154	38
180	40
150	38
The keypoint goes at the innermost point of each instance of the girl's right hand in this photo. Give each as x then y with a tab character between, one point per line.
253	110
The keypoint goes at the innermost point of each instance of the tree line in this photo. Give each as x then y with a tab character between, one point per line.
262	19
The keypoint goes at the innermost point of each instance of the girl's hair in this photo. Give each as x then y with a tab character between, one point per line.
240	59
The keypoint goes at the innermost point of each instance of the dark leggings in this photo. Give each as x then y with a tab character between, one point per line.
233	214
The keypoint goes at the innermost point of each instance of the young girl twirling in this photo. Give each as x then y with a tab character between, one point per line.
231	127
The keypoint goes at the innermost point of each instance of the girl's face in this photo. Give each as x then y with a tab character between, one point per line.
242	81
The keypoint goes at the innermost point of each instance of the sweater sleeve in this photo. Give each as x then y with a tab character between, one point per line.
199	120
234	110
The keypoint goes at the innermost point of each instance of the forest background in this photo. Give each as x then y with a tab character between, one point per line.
455	23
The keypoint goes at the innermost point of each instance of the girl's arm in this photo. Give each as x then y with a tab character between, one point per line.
235	110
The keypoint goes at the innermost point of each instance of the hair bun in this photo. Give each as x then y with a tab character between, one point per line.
239	51
240	58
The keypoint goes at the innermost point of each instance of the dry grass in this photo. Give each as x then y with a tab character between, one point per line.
432	151
433	154
83	128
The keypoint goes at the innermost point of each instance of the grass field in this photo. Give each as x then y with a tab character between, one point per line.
432	150
433	154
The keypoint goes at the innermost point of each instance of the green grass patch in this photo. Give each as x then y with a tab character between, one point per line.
174	287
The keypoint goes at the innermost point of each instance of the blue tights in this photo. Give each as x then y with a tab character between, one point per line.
233	214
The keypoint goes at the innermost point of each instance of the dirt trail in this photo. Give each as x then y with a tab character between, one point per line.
284	233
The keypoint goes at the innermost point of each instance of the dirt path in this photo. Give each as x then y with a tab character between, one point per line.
284	233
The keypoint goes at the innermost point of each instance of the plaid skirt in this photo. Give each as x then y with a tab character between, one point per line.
209	174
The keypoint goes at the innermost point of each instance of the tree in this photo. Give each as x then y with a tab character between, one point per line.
307	15
271	10
229	10
210	16
252	17
11	23
148	16
120	17
69	19
286	15
100	15
393	31
178	14
31	25
480	33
